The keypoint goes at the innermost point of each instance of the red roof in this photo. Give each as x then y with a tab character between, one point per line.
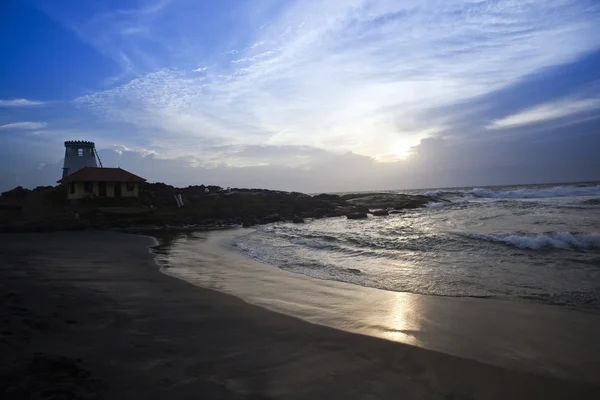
93	174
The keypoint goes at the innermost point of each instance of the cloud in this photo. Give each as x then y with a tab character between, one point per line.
546	112
347	75
152	8
23	125
256	44
115	33
254	57
120	149
313	95
437	162
133	30
20	103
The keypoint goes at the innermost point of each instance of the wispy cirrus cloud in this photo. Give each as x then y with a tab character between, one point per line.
24	125
547	112
120	149
115	33
20	103
352	75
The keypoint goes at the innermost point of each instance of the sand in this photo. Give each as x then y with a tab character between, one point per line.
89	315
525	336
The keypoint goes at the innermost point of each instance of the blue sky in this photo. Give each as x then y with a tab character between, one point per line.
304	95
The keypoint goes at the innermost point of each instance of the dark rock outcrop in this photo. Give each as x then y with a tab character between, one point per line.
381	213
18	193
325	196
47	208
390	200
271	218
357	216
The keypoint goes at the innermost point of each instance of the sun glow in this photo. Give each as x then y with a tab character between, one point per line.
402	150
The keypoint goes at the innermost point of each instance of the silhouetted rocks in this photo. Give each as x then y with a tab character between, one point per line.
390	200
18	193
271	218
47	208
325	196
381	213
357	216
250	221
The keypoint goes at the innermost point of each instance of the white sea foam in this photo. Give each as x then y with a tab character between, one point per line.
558	240
558	191
526	193
438	193
436	204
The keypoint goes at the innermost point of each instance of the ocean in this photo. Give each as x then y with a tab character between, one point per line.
529	243
508	276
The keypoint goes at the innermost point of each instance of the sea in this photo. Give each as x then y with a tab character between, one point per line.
506	275
525	243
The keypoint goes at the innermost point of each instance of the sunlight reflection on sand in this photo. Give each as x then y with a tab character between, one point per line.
523	336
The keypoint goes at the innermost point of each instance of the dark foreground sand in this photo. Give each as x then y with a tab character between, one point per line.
89	315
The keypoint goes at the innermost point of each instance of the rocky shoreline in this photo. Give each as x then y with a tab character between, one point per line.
47	209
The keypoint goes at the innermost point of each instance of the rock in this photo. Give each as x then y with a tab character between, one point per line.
16	193
381	213
248	207
250	221
43	188
361	208
357	216
270	219
325	196
407	205
389	200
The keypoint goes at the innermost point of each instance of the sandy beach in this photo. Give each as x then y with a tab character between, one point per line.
525	336
89	315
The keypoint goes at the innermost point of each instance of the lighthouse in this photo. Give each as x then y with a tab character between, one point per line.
79	154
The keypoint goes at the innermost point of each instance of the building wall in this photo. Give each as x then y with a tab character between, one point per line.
110	189
80	192
78	156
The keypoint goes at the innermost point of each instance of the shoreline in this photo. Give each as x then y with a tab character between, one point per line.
525	336
98	300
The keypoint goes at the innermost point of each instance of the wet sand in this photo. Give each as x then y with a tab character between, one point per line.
525	336
90	315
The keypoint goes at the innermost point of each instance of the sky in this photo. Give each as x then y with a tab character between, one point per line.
306	95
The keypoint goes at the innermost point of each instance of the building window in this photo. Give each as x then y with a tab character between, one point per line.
88	187
72	188
130	186
80	152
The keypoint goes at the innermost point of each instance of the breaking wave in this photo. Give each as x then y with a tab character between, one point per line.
437	204
525	193
557	240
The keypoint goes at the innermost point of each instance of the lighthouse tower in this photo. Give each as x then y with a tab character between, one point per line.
78	154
